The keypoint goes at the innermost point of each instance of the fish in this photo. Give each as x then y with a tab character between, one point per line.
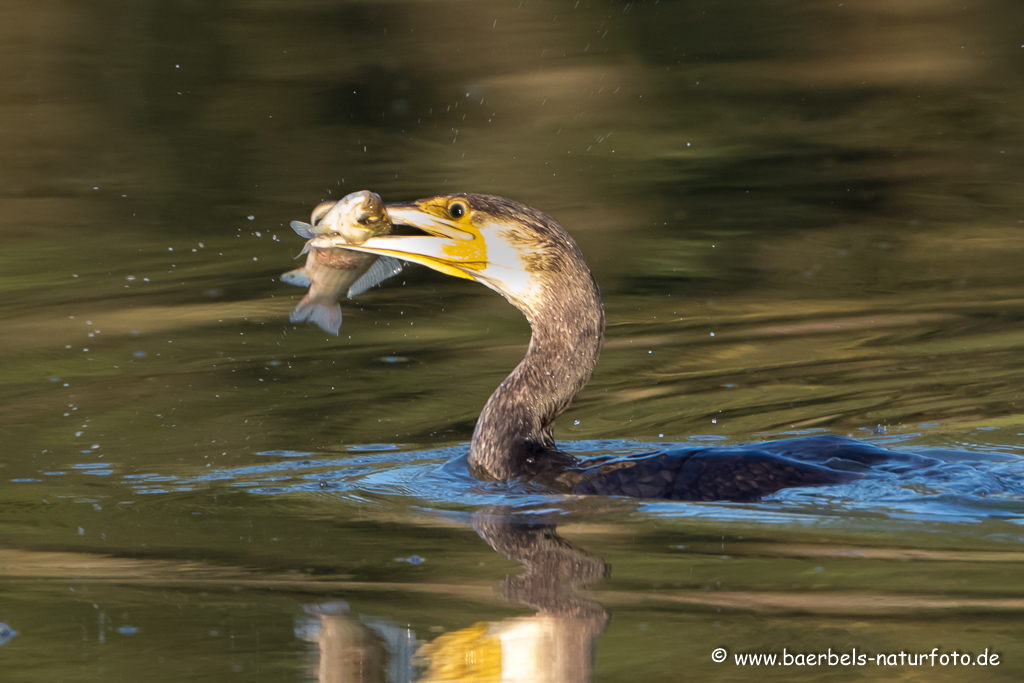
334	272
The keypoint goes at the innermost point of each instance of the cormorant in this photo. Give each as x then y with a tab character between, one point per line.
528	258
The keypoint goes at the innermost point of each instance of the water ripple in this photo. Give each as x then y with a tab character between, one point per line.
964	486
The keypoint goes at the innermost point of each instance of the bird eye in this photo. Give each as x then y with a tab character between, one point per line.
457	210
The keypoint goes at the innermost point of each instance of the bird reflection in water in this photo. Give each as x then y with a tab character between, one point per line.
553	645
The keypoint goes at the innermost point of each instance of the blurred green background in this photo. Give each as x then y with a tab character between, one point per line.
802	216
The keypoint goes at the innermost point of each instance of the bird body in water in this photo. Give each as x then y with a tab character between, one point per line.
528	258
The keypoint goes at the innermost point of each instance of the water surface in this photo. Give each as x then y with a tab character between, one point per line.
804	218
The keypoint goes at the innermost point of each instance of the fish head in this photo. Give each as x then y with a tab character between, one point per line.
356	217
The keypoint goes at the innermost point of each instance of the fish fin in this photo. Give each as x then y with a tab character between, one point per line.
304	229
296	277
305	248
327	318
381	270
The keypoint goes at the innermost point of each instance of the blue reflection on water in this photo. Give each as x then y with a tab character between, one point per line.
963	487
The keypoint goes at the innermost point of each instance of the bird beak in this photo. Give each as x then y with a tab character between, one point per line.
453	248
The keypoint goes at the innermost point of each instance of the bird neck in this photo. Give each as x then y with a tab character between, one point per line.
513	435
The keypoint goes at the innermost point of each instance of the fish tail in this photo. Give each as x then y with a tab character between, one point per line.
326	316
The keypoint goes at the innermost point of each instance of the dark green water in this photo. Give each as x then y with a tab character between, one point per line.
804	218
